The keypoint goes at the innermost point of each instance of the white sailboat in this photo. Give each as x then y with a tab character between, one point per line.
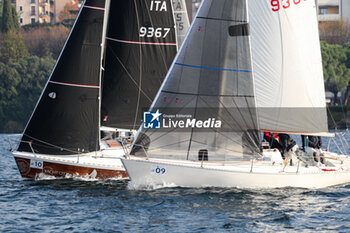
246	66
111	67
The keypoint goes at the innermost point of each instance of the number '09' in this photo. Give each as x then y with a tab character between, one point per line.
152	32
276	4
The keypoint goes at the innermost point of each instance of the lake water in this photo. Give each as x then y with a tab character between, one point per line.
60	205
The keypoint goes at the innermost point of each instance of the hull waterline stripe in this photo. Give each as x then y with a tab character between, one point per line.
74	85
140	42
213	68
95	8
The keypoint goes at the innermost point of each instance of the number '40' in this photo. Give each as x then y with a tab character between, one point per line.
277	4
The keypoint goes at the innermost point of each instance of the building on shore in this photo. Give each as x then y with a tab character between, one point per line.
333	10
39	11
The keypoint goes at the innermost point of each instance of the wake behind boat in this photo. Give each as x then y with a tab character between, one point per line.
252	65
111	67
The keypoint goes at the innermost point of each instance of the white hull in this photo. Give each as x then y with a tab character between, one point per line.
157	172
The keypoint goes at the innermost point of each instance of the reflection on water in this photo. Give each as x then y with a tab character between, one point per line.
107	206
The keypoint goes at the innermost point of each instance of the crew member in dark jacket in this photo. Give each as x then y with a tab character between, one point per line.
273	140
314	141
289	148
314	146
286	142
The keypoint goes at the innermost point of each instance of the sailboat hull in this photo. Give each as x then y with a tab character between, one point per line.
42	166
157	173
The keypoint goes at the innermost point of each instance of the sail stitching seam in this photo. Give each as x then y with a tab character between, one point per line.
140	42
229	20
73	84
212	68
95	8
183	93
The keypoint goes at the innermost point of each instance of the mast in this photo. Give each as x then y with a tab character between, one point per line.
103	50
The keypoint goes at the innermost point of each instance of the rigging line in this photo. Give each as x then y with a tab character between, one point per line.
335	124
255	125
52	145
130	76
182	93
213	68
140	69
241	128
198	88
167	131
228	20
163	146
241	116
342	108
233	118
202	143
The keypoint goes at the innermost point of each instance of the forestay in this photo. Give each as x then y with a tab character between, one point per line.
287	66
211	79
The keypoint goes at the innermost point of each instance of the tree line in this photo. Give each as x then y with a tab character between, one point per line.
27	56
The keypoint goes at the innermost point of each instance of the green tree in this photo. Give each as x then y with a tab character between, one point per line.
1	16
336	67
20	87
9	17
13	48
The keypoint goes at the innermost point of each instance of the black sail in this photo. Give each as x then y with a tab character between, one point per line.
211	80
140	46
66	118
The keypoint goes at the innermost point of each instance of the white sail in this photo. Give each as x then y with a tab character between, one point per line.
287	66
181	19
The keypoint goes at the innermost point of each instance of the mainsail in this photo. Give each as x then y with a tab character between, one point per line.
287	66
210	79
141	44
65	120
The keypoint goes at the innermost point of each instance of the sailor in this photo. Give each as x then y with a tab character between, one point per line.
314	148
273	140
289	149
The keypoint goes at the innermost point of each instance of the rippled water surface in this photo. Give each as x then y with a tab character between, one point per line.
110	206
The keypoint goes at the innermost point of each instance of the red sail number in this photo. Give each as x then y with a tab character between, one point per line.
276	4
